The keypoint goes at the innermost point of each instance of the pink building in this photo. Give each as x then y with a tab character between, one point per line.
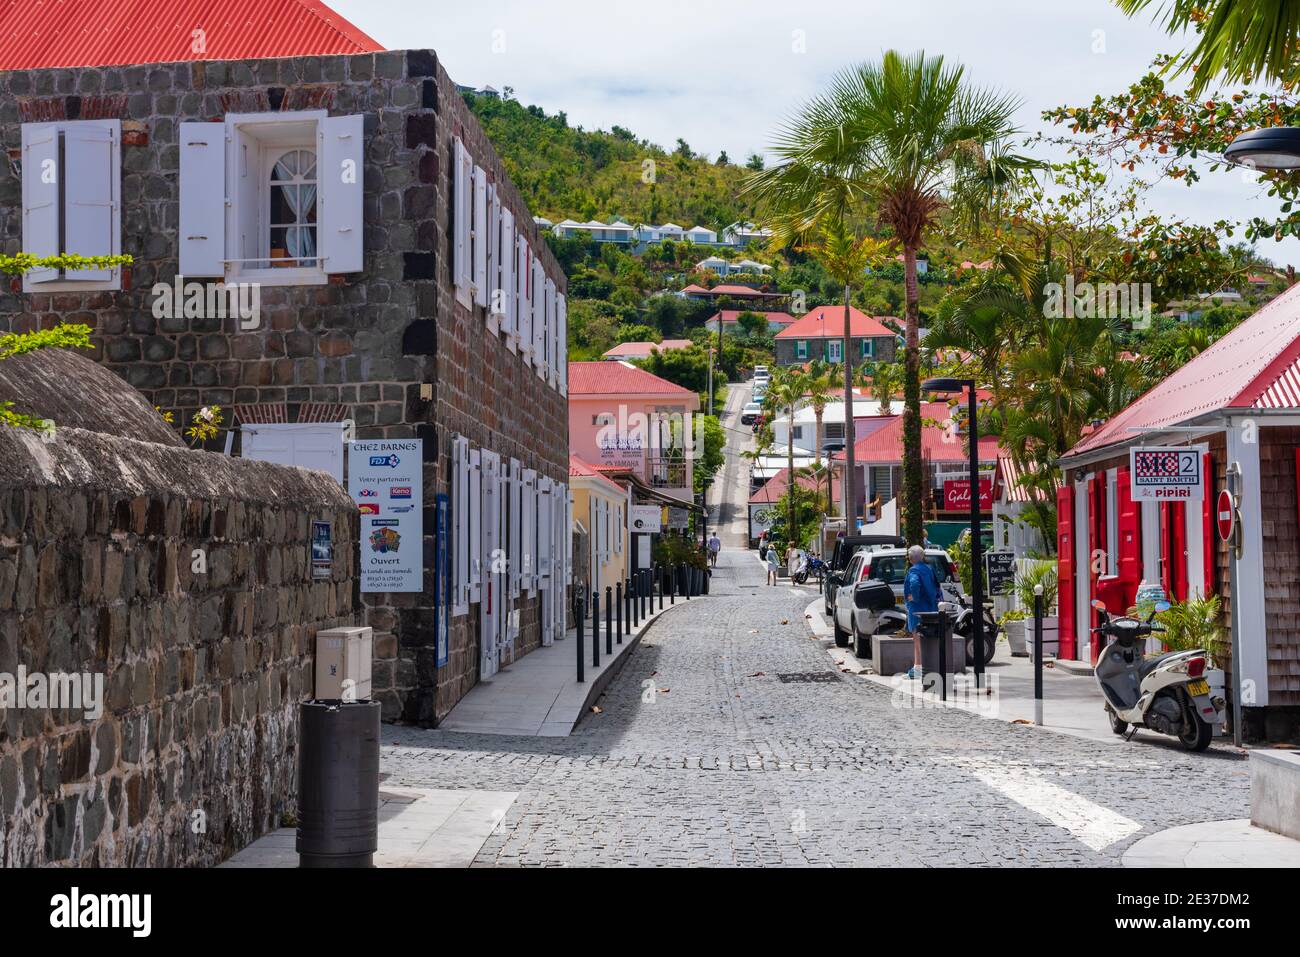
622	417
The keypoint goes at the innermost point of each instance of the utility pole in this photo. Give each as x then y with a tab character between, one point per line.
850	468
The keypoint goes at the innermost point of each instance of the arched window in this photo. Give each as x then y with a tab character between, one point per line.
293	209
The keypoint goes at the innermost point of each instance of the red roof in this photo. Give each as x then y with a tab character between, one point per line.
38	34
734	291
885	444
1255	366
619	378
728	316
581	469
828	322
772	490
642	350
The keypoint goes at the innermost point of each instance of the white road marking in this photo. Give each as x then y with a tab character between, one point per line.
1094	825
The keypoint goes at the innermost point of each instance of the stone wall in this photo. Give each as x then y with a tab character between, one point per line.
360	346
182	580
885	350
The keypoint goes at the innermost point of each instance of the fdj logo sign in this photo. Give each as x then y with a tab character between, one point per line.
392	461
1166	474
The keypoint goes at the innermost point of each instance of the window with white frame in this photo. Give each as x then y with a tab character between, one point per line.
834	350
71	200
273	198
801	349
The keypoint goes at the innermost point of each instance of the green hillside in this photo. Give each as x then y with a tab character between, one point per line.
566	172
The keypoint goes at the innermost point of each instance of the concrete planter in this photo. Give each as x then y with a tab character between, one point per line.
1217	679
1015	631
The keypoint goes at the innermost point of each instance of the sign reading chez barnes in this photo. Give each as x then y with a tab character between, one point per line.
386	480
956	495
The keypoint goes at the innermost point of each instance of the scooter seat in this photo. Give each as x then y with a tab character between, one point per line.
1148	665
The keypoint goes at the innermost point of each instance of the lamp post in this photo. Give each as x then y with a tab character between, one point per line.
976	549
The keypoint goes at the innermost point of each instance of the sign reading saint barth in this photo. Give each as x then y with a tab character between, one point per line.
1165	474
386	480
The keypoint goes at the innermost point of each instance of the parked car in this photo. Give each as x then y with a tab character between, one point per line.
750	412
832	446
760	372
863	607
889	565
845	549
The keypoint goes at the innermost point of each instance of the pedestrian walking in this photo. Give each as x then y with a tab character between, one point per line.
715	546
773	563
921	593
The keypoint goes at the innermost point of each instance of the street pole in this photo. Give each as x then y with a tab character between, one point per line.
850	466
1038	655
976	548
1233	477
711	376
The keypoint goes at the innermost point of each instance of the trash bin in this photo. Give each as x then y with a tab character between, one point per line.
338	784
936	627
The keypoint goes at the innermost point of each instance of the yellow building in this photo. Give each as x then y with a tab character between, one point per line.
600	507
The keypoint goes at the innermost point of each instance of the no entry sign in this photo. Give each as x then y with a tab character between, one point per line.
1225	515
1166	474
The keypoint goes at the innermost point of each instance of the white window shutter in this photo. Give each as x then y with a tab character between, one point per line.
462	189
552	334
90	194
490	594
562	342
538	297
41	196
526	306
493	241
338	173
475	542
506	276
460	525
203	199
516	526
520	289
479	235
528	503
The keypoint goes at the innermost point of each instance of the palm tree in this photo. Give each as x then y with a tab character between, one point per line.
905	138
1240	40
885	380
819	386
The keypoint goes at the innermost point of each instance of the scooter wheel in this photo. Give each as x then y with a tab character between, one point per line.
1116	724
1196	733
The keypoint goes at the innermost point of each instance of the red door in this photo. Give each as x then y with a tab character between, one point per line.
1065	569
1209	534
1178	550
1130	533
1097	554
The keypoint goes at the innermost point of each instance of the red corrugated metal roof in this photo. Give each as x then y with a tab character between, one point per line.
619	378
1255	366
733	315
828	322
38	34
582	469
885	444
772	490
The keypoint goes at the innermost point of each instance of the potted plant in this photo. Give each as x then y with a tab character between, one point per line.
1013	626
1194	624
1041	572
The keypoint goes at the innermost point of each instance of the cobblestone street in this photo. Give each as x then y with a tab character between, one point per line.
728	764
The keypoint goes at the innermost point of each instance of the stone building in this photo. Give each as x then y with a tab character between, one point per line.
819	334
327	246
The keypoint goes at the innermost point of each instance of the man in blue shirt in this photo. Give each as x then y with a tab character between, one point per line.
921	593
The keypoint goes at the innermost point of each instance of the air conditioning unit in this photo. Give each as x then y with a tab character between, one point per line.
343	659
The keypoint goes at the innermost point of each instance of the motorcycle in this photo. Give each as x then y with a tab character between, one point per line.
1167	693
961	612
813	566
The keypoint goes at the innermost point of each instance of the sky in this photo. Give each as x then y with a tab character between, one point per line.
724	74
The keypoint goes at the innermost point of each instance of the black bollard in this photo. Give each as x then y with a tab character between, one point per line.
595	628
634	600
659	580
672	585
618	609
609	620
579	615
1038	654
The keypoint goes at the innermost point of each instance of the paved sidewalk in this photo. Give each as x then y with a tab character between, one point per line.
1072	703
1214	844
418	827
539	694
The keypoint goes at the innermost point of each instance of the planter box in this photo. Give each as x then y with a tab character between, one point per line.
1051	637
1015	631
891	655
1275	791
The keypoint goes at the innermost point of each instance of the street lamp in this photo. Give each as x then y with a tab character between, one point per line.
945	384
1276	147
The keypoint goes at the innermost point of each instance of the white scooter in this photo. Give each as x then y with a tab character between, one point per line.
1167	693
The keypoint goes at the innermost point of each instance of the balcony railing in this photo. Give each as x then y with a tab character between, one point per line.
668	473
